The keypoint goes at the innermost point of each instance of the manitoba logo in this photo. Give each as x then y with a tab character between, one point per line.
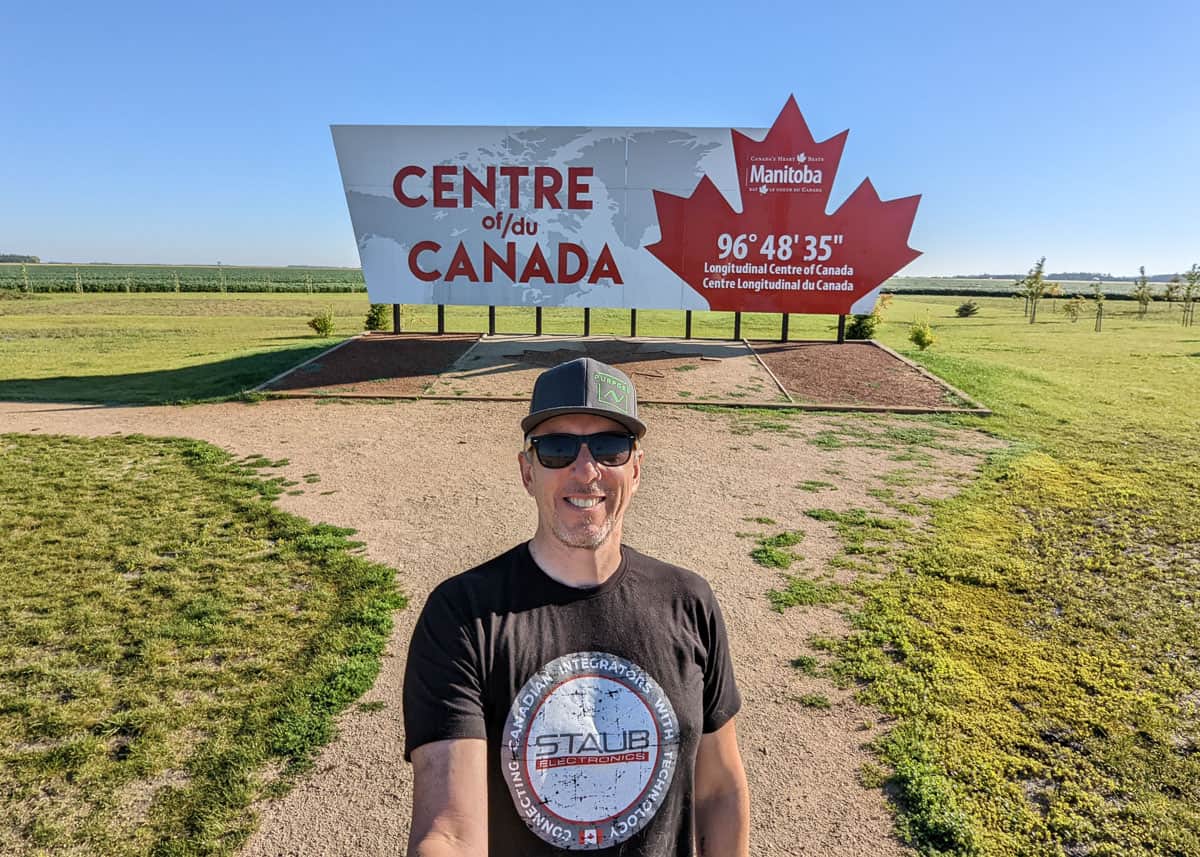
591	745
785	175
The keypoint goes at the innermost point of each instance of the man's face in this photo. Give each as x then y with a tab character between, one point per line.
583	503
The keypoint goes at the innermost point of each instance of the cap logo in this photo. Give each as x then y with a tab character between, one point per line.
612	390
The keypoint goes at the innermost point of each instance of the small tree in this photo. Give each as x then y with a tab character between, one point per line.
1098	297
921	335
1172	289
1054	292
1191	293
78	283
1074	307
24	279
1034	287
176	273
1143	292
966	309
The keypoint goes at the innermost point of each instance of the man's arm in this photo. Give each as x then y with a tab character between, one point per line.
449	817
722	796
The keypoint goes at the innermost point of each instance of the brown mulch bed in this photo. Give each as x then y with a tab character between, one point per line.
816	373
402	364
852	373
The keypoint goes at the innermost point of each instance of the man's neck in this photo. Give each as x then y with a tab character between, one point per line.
577	567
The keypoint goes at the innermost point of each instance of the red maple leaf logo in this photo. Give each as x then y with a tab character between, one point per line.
783	253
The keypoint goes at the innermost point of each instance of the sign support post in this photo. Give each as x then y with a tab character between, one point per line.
687	324
633	322
783	332
395	318
491	321
587	321
538	321
441	319
841	329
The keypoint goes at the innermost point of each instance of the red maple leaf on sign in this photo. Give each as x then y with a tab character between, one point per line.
783	253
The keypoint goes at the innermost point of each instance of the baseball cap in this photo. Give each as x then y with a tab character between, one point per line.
584	386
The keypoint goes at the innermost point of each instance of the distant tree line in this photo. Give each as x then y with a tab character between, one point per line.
14	257
1075	276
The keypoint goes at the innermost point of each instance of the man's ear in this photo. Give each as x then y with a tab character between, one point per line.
638	455
526	467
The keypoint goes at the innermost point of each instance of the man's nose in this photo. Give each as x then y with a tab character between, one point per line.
584	466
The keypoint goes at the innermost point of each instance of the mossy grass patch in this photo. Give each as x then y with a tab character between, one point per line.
801	591
1036	646
773	551
169	643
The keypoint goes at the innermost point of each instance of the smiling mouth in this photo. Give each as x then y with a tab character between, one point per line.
584	502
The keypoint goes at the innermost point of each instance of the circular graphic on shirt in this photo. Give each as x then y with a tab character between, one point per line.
590	747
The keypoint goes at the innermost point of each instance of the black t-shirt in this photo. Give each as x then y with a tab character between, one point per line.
592	700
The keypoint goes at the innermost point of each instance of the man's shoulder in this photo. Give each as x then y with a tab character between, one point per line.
479	584
683	581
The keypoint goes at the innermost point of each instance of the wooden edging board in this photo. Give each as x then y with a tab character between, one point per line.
975	406
767	368
286	372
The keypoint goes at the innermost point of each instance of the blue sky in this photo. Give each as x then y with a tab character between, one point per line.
192	133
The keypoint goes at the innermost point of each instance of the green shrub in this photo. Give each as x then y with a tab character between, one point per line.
376	317
966	309
921	334
862	326
322	323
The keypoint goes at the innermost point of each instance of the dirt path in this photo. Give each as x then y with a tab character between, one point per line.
432	489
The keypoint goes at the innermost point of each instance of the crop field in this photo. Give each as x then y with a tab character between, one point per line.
55	277
1033	652
178	278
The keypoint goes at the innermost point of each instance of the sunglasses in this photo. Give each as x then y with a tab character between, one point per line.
608	448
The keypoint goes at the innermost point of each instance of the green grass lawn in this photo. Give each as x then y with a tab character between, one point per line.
166	634
155	348
1039	649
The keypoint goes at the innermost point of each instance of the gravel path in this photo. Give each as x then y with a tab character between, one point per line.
432	488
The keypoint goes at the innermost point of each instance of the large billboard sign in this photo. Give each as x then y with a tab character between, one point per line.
646	218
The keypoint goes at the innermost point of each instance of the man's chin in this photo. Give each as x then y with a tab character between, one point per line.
584	538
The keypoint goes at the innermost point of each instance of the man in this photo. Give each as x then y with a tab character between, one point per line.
573	694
